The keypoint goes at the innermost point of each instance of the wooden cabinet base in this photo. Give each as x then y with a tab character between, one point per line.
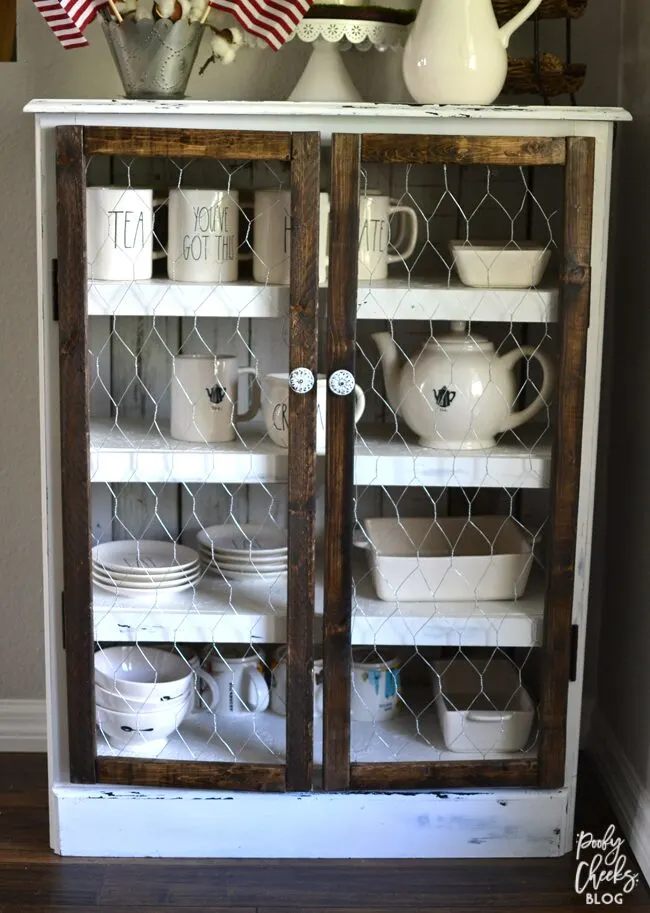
130	821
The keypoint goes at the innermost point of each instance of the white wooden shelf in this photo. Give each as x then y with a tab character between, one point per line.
444	299
216	612
164	298
427	624
133	452
388	299
384	456
260	739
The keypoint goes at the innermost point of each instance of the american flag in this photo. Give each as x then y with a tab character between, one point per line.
69	18
272	20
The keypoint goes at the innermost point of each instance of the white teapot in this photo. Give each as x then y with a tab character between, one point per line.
457	394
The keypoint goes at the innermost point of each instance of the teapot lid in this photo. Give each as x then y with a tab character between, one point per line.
460	339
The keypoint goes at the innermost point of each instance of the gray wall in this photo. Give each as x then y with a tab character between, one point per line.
44	69
624	670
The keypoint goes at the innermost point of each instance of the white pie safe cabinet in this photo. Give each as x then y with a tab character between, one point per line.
322	780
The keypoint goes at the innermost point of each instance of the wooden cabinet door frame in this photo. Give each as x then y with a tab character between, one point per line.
75	145
349	152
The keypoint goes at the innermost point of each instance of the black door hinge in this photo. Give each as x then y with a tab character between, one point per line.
55	289
63	618
573	670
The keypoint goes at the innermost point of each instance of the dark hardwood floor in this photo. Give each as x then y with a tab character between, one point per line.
34	880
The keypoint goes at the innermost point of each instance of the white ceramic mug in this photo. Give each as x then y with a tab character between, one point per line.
119	233
204	398
203	236
375	214
275	408
272	237
241	681
279	683
375	688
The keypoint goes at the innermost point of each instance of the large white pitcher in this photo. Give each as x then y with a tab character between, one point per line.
456	53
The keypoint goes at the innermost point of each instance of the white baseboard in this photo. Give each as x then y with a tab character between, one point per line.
22	726
629	798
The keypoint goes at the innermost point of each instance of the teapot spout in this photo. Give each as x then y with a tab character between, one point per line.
391	365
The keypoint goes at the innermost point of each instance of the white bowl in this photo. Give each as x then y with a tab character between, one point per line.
127	730
487	265
114	700
144	674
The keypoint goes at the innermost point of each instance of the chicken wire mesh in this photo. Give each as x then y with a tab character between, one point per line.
189	442
455	356
450	508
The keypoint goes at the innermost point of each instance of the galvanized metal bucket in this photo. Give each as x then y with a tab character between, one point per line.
154	59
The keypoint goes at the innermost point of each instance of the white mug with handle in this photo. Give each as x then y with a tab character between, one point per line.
375	214
242	685
204	397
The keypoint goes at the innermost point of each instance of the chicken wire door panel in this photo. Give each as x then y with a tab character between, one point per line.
458	306
188	289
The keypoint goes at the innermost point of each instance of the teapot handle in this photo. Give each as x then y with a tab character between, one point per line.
507	31
509	361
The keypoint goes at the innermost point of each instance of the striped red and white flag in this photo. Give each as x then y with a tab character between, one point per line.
272	20
69	18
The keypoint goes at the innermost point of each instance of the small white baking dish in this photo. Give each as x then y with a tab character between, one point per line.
454	559
483	264
482	705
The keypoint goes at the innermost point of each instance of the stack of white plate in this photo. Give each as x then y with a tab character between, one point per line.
245	552
133	568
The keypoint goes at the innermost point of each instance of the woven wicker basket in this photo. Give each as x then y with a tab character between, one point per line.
554	77
549	9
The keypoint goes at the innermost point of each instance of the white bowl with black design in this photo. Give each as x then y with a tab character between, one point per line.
142	730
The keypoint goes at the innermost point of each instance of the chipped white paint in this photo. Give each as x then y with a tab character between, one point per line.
146	822
516	822
109	108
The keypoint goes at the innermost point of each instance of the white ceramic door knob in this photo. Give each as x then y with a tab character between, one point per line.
302	380
342	383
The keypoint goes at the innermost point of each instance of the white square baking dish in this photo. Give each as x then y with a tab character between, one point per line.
454	559
482	705
482	264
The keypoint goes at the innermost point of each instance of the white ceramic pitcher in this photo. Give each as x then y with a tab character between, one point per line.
456	53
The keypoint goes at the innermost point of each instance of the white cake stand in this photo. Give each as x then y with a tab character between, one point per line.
325	77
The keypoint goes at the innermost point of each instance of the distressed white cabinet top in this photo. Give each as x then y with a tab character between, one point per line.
326	117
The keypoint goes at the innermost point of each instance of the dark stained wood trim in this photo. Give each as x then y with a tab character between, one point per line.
339	470
303	352
575	290
190	774
444	775
463	150
174	143
7	30
75	473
